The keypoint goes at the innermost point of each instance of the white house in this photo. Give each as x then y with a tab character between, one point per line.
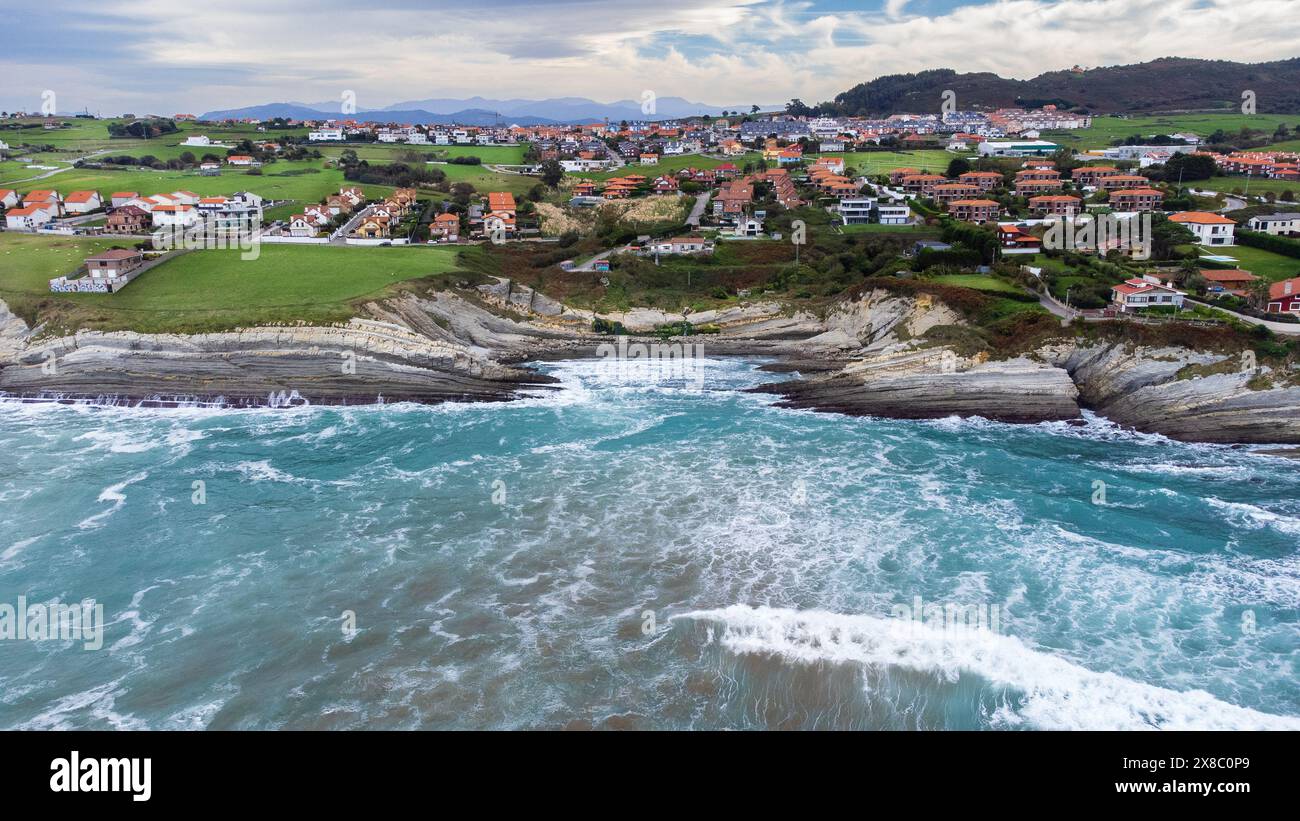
1210	229
1276	224
682	245
1146	292
28	218
749	227
856	210
300	226
166	216
325	135
8	198
82	202
893	213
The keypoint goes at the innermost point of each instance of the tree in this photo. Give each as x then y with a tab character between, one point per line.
552	173
753	109
958	166
796	108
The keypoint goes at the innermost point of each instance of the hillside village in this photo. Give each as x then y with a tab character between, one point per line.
685	188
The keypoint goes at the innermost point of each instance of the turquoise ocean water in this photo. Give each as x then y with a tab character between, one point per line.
634	551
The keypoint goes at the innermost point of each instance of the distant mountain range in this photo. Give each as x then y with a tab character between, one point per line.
1166	85
483	111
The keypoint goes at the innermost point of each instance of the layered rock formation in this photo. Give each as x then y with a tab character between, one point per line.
1184	394
934	383
363	362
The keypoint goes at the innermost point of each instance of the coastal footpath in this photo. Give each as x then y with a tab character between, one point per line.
879	353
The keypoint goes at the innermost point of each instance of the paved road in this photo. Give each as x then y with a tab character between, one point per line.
701	202
1066	314
588	265
61	170
1276	327
1230	203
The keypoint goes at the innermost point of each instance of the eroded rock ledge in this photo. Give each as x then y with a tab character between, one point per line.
364	362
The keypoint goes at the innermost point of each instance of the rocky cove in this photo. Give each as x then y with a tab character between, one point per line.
868	355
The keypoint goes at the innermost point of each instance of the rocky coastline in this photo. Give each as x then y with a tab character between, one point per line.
869	356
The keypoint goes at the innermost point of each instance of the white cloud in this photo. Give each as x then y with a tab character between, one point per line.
721	51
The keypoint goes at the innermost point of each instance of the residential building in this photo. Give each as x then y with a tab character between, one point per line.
1033	188
1015	240
1232	281
977	211
1091	175
1276	224
949	191
1113	182
893	212
1135	199
984	180
922	184
82	202
113	263
856	210
1210	229
169	216
681	245
445	228
9	198
129	219
1055	205
28	217
1145	292
46	197
1284	296
324	135
120	198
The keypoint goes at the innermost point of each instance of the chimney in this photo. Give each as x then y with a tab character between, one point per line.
1286	287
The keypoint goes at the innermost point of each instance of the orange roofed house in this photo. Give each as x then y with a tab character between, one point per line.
978	211
1210	229
500	213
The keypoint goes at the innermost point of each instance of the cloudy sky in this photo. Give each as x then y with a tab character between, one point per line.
156	56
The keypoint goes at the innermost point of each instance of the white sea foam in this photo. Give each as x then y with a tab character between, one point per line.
114	494
1057	694
1253	516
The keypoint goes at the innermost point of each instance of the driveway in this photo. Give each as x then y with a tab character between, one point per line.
701	203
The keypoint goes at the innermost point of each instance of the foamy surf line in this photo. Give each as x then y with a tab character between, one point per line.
1057	695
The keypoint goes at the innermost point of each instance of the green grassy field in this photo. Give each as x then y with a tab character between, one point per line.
1259	262
670	165
209	290
304	182
1106	129
979	282
1253	185
911	232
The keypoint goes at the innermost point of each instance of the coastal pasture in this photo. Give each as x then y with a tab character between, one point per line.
979	282
1261	263
84	137
669	165
1257	186
210	290
391	152
484	180
304	182
1105	130
912	232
